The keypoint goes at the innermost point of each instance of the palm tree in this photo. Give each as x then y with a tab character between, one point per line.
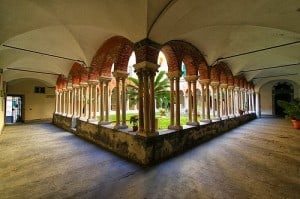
161	90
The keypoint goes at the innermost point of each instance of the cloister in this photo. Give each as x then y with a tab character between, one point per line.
223	94
68	70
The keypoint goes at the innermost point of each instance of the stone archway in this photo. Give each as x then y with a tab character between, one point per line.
281	91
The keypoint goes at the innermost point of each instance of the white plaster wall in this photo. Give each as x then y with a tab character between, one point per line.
266	96
37	106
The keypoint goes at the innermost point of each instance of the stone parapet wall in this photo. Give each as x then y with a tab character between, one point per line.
149	150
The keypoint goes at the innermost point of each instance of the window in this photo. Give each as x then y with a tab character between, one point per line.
38	89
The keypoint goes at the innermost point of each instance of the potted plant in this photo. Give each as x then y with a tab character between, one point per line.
162	112
292	111
134	121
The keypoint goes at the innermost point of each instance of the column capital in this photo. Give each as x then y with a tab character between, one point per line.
75	85
236	88
120	74
230	87
145	66
104	78
93	82
204	81
223	85
84	84
191	78
174	74
214	84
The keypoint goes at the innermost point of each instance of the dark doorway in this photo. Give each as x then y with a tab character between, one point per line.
282	91
13	109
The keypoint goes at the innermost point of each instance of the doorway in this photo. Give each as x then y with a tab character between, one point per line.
282	91
13	109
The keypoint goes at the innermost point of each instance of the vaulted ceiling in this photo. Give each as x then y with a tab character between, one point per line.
75	29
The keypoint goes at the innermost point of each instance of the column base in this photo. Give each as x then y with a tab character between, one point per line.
104	122
121	126
174	127
216	119
64	114
193	123
83	119
225	117
69	115
231	116
205	121
93	121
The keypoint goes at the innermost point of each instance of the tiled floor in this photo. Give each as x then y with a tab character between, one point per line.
258	160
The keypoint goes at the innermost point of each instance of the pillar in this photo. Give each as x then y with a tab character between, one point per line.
146	72
205	98
56	101
120	79
192	96
257	103
174	77
215	103
92	101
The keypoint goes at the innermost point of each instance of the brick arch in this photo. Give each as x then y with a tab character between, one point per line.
236	81
215	73
61	82
171	57
75	73
191	68
115	50
184	52
226	72
204	71
84	76
243	81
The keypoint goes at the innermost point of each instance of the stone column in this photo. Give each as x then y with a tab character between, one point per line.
146	72
190	100
257	103
92	100
117	102
175	75
106	96
230	100
215	103
206	108
192	81
69	112
252	101
120	78
86	113
202	103
75	101
101	101
56	101
83	101
152	103
171	103
224	104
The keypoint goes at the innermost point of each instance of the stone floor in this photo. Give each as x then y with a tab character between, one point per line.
258	160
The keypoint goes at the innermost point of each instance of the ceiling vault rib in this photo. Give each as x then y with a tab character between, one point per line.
255	51
31	71
42	53
160	13
275	76
272	67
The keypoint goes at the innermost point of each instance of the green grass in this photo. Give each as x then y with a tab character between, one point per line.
163	121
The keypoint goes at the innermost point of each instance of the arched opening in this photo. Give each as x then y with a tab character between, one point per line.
281	91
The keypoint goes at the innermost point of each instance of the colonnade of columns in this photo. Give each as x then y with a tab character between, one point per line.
91	99
85	100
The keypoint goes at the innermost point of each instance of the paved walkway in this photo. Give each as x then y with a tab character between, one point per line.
258	160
